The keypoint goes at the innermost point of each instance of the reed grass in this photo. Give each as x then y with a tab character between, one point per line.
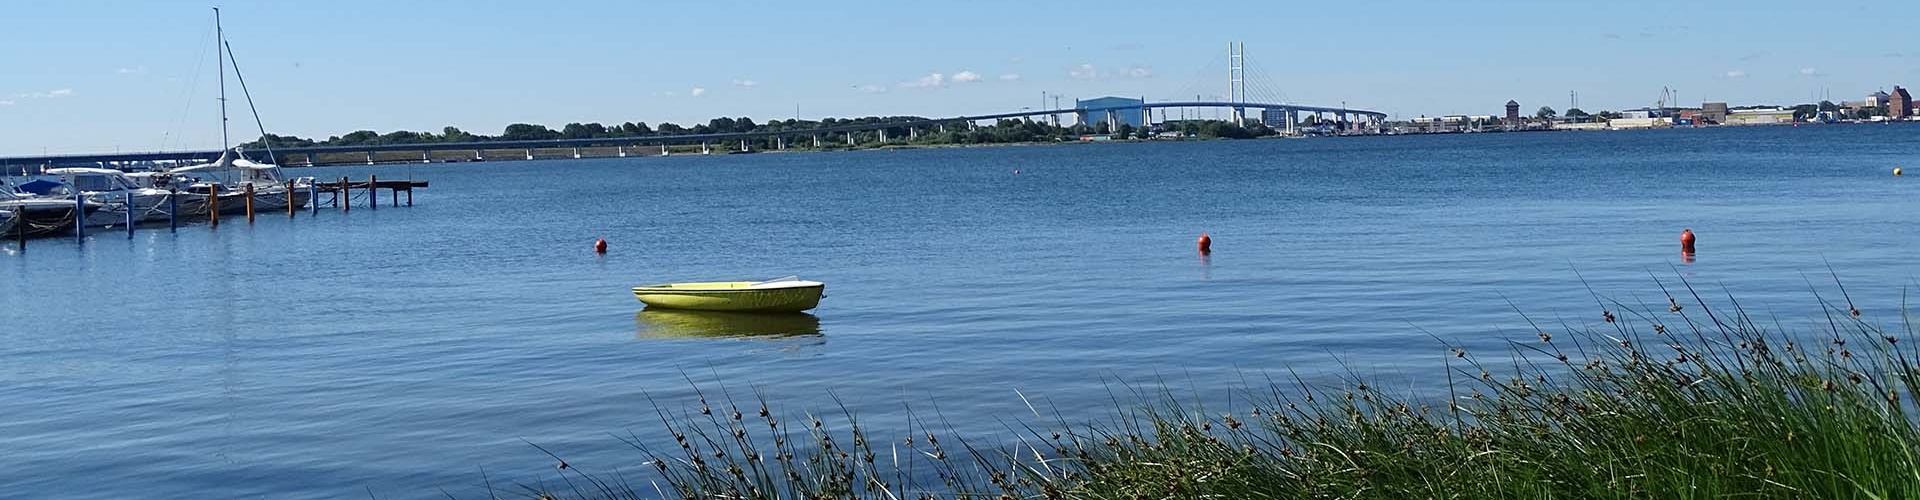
1680	400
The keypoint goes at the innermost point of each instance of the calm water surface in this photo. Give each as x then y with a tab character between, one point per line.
404	350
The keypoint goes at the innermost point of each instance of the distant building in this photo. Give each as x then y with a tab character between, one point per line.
1713	112
1513	113
1129	109
1877	99
1761	116
1276	118
1647	113
1899	104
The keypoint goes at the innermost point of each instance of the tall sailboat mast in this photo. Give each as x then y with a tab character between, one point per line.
220	60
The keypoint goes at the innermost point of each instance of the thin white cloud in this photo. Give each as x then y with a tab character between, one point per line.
1809	72
132	71
1015	59
1083	72
52	94
931	80
1736	74
745	83
4	102
1138	72
966	77
871	89
1009	77
697	91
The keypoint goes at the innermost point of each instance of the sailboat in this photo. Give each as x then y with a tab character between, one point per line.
232	177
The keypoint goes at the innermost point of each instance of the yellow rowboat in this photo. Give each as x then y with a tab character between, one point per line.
787	295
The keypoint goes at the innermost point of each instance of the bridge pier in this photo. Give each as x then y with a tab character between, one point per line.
704	149
663	149
369	157
476	155
313	159
883	136
576	152
623	151
424	158
780	143
816	141
744	146
849	138
529	153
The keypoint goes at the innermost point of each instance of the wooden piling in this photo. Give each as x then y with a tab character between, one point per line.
173	209
344	200
409	196
20	230
373	192
249	192
213	204
396	198
313	197
290	205
129	202
79	217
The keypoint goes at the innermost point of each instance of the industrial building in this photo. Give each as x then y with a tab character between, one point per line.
1131	111
1762	116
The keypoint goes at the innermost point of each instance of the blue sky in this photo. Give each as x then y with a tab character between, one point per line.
98	75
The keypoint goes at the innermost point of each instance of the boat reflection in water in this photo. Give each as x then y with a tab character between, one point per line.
687	324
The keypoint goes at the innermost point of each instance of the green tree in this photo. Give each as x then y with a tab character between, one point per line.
1829	106
1545	113
528	132
669	128
1577	114
1125	131
454	134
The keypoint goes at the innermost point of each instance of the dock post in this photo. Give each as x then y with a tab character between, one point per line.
173	210
409	195
313	197
129	202
213	204
373	192
396	197
345	199
79	217
20	231
249	192
291	206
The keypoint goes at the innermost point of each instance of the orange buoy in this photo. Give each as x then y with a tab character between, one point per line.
1686	241
1205	243
600	245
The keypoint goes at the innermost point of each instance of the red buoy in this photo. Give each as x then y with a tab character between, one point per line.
1686	241
1205	243
600	245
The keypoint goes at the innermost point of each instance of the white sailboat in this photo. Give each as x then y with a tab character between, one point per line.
229	178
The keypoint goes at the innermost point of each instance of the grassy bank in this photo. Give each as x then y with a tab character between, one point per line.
1676	400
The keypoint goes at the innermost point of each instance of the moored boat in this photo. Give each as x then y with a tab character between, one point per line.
7	221
784	295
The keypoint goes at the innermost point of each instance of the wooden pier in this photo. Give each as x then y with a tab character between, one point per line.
342	193
343	189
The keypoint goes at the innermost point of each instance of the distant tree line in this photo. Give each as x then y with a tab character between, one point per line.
1002	131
